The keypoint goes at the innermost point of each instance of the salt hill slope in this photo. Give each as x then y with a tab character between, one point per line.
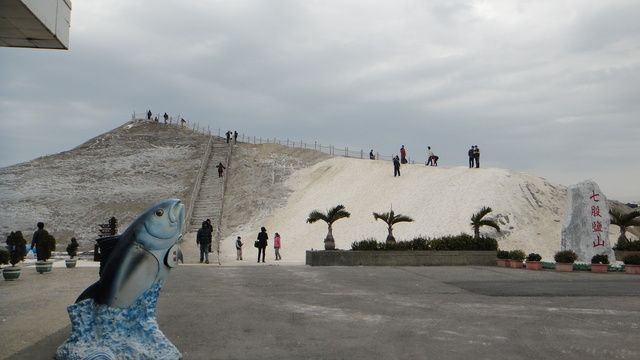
120	173
529	209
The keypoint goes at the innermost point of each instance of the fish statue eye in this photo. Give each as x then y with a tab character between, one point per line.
159	212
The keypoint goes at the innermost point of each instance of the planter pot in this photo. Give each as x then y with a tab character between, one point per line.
564	266
11	273
533	265
515	264
632	269
70	263
503	262
43	266
599	268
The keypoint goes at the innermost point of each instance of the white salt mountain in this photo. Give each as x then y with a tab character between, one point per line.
124	171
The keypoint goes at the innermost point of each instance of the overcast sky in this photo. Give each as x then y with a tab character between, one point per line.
546	87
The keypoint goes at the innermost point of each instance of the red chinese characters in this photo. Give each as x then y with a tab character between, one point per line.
596	223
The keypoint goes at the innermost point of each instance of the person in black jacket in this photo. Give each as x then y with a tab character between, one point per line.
38	239
203	238
262	238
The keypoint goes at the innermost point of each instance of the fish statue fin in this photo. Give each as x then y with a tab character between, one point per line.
106	245
89	293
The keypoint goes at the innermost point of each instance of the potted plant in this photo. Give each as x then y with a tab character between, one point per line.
4	256
600	264
503	258
564	260
515	259
47	245
17	247
632	264
533	262
72	250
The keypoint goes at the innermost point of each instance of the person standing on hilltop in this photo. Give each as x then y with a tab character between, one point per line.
403	155
396	166
166	117
430	156
262	242
470	153
371	155
38	240
149	115
476	156
235	137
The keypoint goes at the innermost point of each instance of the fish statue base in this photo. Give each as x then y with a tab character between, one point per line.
100	332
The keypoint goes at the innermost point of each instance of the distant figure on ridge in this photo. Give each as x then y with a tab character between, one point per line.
166	117
470	153
430	156
403	154
220	169
149	115
396	166
476	156
235	137
371	155
228	136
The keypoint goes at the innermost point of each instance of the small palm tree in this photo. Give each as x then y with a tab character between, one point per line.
334	214
477	222
624	221
391	219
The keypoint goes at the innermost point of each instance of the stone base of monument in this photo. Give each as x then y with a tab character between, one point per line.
599	268
564	266
106	333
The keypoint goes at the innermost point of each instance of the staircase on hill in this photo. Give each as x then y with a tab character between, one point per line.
208	204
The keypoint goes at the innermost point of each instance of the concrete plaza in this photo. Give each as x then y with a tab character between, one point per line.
269	311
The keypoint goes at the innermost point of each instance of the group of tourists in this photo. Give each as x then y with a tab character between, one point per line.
262	242
432	159
234	134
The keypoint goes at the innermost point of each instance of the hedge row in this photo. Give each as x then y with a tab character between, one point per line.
457	242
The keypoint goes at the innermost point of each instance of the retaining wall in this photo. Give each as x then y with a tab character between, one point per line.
401	258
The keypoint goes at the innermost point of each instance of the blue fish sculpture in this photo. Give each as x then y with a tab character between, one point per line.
131	263
115	317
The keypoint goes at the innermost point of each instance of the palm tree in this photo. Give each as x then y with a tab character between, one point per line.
477	222
334	214
624	221
391	219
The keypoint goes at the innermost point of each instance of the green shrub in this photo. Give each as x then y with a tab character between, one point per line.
628	246
72	248
47	246
534	257
4	256
503	254
464	242
516	255
459	242
600	259
631	259
17	246
565	256
371	244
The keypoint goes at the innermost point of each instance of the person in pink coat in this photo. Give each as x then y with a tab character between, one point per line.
276	246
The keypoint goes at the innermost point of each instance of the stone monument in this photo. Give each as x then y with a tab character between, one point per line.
586	227
115	317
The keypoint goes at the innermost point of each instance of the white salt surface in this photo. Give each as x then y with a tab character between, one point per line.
529	209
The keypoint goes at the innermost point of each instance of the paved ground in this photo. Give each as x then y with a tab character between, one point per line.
298	312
